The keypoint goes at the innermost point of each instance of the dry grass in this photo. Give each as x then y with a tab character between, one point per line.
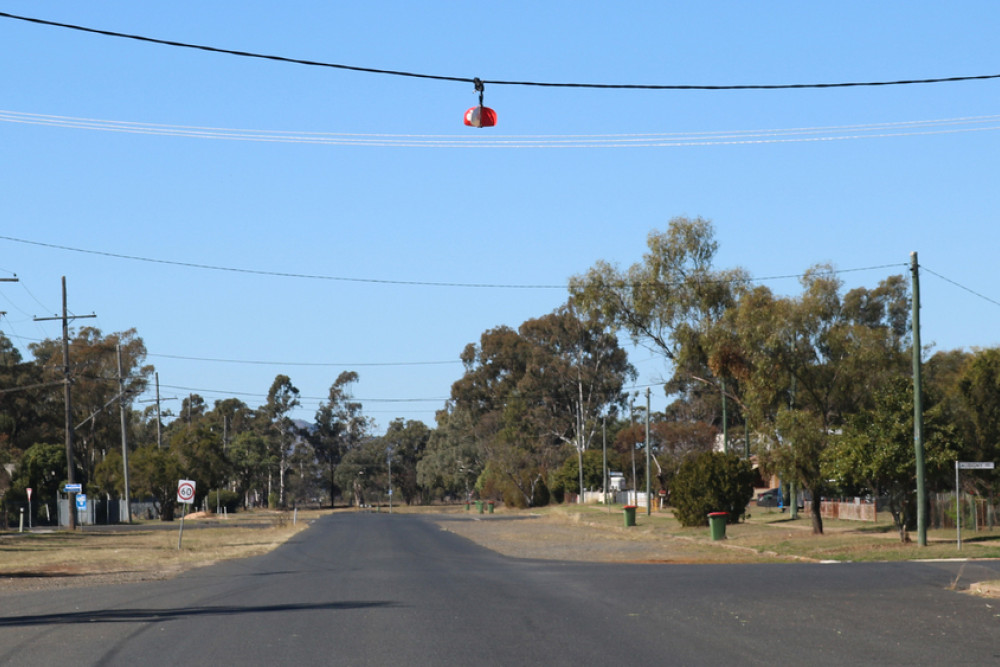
34	560
593	533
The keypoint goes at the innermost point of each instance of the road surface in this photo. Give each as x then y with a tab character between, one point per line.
377	589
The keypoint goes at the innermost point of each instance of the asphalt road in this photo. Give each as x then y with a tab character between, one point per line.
374	589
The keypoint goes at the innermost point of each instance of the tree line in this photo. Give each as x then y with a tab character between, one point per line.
815	386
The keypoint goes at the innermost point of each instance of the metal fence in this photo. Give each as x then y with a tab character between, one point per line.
978	513
102	511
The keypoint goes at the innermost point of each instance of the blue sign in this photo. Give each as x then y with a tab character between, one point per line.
73	488
81	501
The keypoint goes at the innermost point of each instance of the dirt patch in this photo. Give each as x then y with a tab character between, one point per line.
560	537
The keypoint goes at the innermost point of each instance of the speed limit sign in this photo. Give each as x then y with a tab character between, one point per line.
185	491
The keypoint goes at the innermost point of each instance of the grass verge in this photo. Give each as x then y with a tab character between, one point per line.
138	552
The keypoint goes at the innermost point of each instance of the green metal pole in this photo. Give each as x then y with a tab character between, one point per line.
918	409
649	499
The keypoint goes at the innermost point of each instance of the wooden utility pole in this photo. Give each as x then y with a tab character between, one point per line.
68	399
159	424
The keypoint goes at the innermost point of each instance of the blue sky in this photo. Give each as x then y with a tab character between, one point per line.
537	199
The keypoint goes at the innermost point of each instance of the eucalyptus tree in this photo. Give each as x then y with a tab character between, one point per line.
578	371
199	449
340	426
452	460
406	442
96	391
672	302
23	420
282	398
808	362
251	464
531	393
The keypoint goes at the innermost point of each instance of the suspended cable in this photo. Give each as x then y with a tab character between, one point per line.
464	79
278	274
960	286
637	140
408	283
301	397
257	362
316	364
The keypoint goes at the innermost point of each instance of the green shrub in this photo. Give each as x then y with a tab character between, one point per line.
711	482
223	498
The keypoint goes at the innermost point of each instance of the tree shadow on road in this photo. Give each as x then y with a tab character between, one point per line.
159	615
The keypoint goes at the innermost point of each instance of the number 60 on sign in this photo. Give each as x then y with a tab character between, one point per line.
185	491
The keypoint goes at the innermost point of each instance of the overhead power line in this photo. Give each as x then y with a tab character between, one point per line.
263	395
466	79
960	286
278	274
636	140
320	364
380	281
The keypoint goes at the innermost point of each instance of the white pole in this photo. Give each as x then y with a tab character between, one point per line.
181	533
958	509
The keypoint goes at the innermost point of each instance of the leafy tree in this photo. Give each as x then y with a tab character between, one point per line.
230	417
809	362
250	461
566	478
94	367
532	393
109	476
155	473
340	427
306	483
363	470
408	441
42	469
518	459
712	482
23	418
578	370
193	408
672	301
979	386
282	398
452	460
199	450
673	442
876	451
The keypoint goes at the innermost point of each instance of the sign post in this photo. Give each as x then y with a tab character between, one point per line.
965	465
185	496
29	507
81	506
